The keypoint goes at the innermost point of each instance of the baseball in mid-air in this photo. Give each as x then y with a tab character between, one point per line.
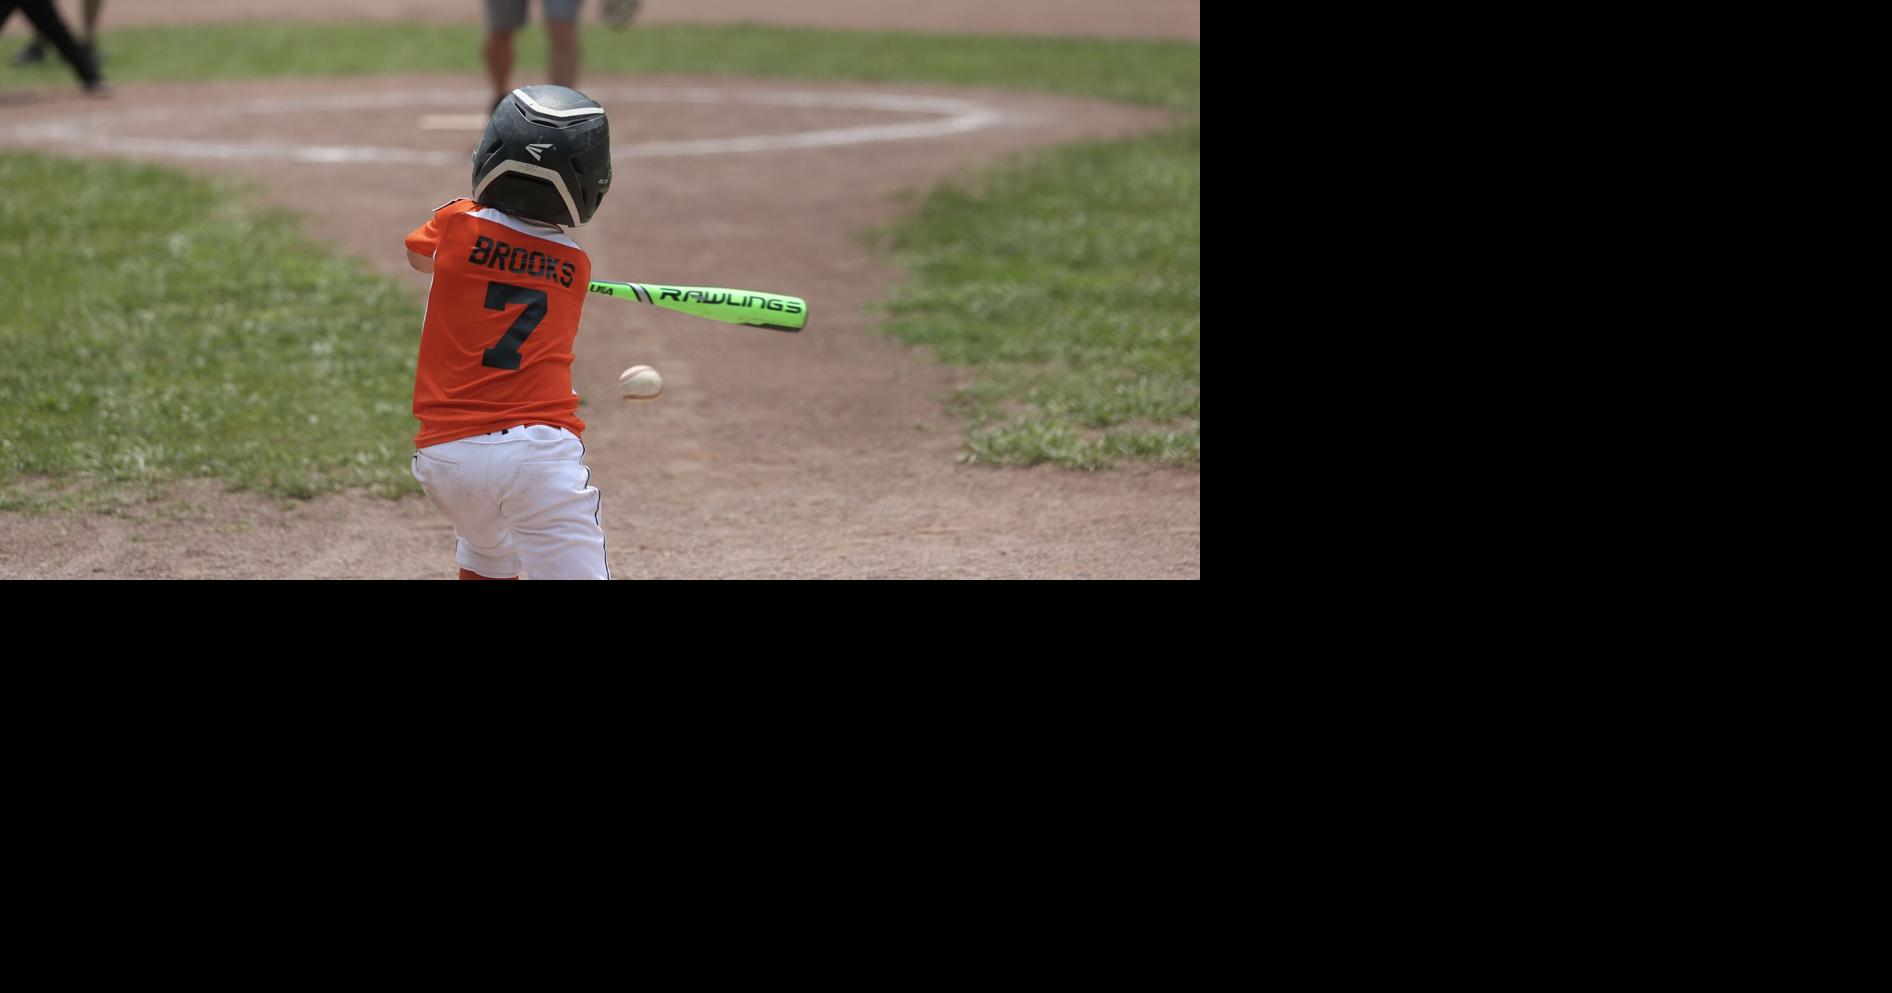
640	382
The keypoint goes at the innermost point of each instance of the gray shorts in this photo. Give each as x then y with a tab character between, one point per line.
510	15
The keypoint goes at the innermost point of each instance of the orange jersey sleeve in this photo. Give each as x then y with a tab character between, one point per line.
425	239
502	319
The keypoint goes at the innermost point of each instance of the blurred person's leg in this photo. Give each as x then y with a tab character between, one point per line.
503	20
89	28
35	50
499	63
52	27
561	27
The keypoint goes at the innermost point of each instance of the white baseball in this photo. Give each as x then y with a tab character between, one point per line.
640	382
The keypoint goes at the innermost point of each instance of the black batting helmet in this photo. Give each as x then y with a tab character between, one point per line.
546	154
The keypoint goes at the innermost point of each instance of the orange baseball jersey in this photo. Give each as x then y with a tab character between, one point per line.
496	346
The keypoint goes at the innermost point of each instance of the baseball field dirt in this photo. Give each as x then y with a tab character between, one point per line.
824	454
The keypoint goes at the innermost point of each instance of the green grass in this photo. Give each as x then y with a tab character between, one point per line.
1070	281
1144	71
154	331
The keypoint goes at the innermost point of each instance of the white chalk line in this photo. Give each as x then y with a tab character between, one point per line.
96	131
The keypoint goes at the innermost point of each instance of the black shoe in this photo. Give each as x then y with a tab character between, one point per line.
33	52
618	13
97	88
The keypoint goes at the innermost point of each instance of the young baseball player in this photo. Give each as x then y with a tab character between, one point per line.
498	448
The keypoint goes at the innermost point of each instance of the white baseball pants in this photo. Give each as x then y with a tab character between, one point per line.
519	499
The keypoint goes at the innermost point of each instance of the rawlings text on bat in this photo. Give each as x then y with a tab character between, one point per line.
764	310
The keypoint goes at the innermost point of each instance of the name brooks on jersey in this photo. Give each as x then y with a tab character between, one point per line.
499	255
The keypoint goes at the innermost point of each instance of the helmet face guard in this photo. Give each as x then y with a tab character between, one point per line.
546	155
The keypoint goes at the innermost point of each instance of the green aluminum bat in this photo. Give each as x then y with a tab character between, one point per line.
764	310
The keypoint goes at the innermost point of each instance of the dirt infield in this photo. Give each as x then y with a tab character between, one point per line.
824	454
1077	18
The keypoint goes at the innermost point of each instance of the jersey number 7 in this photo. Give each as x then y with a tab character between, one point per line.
499	296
